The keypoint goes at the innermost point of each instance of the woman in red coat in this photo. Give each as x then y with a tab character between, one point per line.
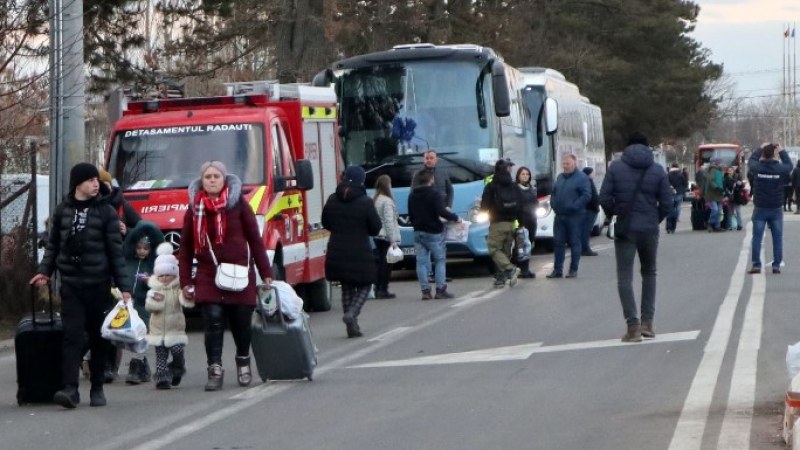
219	220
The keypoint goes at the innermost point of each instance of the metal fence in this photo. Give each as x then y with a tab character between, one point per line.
23	214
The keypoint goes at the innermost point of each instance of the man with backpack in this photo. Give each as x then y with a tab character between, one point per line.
502	199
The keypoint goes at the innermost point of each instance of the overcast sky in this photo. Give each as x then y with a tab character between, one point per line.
746	36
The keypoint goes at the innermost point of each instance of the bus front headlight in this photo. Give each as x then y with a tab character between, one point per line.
543	209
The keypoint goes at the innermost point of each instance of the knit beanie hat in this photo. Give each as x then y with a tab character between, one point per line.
81	172
105	177
166	263
355	174
215	164
588	170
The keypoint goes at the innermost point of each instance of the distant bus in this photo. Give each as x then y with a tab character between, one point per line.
794	154
731	155
579	132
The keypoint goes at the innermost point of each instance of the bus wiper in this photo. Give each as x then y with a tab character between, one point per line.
394	160
479	96
456	162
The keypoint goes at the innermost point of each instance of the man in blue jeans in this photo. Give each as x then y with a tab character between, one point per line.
769	172
637	187
425	207
571	193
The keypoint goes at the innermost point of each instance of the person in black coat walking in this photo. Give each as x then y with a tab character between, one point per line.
530	200
590	216
350	215
85	247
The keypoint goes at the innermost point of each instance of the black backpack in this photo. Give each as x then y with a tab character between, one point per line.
507	199
739	196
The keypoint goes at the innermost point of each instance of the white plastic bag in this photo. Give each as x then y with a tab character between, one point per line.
124	325
456	231
394	255
291	303
793	360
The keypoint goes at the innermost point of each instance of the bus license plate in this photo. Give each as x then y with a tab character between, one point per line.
408	251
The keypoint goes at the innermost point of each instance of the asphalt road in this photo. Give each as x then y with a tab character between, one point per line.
539	366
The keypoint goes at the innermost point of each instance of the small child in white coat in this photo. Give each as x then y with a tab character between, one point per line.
167	332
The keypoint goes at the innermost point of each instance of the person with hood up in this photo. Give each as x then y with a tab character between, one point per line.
138	251
637	187
221	227
85	247
350	215
572	191
503	201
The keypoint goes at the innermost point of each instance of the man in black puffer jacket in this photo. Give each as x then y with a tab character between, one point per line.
351	218
85	246
637	187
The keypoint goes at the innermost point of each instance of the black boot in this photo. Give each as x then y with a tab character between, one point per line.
135	371
68	397
96	396
178	369
525	269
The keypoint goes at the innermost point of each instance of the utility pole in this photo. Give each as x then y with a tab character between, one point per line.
67	94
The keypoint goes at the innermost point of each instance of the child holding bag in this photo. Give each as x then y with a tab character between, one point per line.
167	332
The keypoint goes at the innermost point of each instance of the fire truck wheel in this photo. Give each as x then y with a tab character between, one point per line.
318	296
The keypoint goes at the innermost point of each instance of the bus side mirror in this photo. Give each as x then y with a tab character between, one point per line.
323	78
551	115
305	175
502	99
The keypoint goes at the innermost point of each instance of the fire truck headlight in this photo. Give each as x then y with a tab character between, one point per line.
260	220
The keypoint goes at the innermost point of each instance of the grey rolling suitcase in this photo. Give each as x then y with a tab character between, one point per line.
282	348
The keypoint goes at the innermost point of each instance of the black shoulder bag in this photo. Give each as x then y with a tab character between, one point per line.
618	228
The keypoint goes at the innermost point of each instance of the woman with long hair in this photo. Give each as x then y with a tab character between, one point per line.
530	200
388	237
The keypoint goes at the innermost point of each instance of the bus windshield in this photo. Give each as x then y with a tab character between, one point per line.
170	157
728	155
392	113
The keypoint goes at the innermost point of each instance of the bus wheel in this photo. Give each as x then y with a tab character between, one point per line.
317	296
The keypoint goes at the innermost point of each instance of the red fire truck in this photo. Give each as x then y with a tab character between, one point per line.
281	140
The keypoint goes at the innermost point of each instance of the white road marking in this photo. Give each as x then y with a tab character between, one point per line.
691	425
524	351
738	419
487	295
389	334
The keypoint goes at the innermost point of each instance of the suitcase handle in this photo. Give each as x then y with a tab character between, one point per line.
49	301
278	311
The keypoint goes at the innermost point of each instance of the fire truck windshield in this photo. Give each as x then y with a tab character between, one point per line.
170	157
391	113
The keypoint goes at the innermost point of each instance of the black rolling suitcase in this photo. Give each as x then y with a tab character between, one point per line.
699	214
282	348
37	344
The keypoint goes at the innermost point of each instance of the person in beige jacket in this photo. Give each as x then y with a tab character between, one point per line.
388	237
167	332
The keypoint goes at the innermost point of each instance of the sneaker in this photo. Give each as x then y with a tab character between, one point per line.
776	270
499	283
67	397
443	294
555	274
426	295
755	269
163	384
572	274
384	295
96	396
512	275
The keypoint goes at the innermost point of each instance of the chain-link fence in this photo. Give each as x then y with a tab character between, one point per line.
24	207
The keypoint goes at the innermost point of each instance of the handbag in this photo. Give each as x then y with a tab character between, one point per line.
230	277
620	223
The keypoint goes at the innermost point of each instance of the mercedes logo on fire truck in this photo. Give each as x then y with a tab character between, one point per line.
174	238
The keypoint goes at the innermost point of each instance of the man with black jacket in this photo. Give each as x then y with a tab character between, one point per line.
502	199
768	176
679	187
85	246
425	207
